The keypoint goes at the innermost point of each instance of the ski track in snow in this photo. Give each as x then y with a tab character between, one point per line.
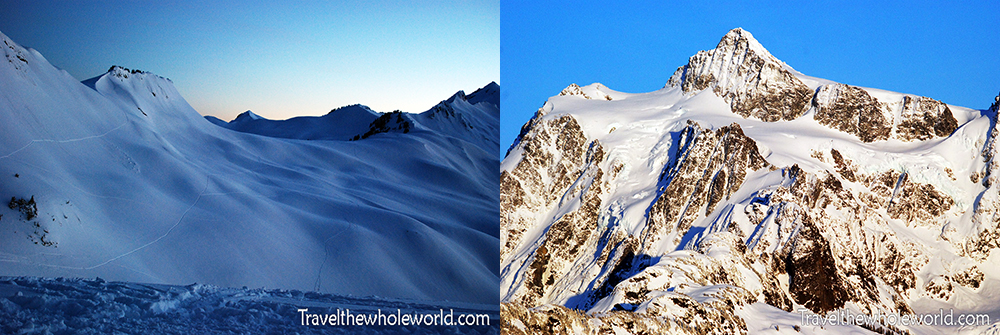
326	256
202	194
78	188
66	141
181	219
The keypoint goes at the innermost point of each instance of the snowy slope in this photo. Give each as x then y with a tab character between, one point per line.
131	184
746	187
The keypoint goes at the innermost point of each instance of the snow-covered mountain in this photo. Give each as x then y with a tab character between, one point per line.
473	118
119	177
742	193
340	124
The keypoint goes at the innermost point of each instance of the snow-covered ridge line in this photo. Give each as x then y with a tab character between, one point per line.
458	117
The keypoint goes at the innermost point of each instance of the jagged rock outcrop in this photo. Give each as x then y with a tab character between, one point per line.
553	154
987	210
923	118
123	72
559	166
394	121
574	89
14	53
597	91
710	165
852	110
812	271
750	79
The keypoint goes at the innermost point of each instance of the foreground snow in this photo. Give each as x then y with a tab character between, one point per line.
31	305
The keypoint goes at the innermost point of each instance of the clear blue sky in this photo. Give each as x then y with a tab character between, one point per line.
948	51
277	58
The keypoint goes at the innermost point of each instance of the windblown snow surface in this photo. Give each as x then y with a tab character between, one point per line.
744	196
94	306
118	177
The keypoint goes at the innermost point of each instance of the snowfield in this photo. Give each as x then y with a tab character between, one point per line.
118	177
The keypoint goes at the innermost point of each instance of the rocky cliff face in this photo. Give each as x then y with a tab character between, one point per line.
710	166
622	214
923	118
987	211
852	110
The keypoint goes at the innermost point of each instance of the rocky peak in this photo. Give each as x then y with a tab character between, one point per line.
573	89
124	73
460	95
596	91
747	76
392	122
15	54
739	40
607	229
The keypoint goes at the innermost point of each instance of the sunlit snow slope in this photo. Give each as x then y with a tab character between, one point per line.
742	193
130	183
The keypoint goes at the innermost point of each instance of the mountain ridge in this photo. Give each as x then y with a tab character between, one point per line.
456	117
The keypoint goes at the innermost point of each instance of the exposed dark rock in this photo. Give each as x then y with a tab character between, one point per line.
843	165
524	185
971	277
574	89
812	272
923	118
26	207
710	166
394	121
917	202
852	110
939	287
